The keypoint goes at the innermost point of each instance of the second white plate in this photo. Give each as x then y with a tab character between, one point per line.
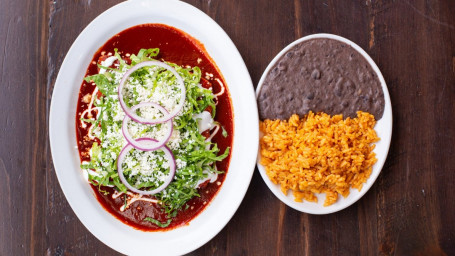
383	129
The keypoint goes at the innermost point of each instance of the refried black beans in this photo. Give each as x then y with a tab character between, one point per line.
321	75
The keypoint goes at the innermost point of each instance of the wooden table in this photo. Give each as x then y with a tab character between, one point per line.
410	210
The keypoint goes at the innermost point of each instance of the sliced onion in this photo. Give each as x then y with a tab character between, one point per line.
168	155
165	118
148	146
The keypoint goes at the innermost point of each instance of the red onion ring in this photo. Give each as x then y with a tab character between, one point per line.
147	146
167	153
133	115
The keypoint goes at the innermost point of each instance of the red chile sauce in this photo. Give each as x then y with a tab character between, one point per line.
177	47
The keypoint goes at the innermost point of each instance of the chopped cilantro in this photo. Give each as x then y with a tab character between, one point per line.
158	223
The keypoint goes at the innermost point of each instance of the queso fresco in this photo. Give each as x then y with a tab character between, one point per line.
154	127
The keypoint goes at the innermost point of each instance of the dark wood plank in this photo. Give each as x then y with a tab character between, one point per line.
23	74
416	59
67	20
409	210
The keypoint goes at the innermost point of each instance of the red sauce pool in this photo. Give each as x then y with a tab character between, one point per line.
177	47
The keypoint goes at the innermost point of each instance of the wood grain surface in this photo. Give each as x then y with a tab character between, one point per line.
410	210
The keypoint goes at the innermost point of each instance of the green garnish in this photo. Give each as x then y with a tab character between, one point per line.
158	223
224	132
194	155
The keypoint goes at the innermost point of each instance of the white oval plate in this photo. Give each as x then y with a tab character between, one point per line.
80	196
383	129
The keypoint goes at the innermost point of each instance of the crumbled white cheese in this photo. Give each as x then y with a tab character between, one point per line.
180	163
118	112
174	140
107	63
166	95
145	164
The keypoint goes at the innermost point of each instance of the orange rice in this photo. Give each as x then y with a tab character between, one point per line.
319	154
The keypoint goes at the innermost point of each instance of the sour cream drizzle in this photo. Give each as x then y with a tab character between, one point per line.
204	121
222	88
88	112
106	63
210	176
217	128
86	172
131	198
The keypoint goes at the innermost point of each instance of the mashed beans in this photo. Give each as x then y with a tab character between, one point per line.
321	75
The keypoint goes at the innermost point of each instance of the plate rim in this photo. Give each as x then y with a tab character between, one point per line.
248	158
288	199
